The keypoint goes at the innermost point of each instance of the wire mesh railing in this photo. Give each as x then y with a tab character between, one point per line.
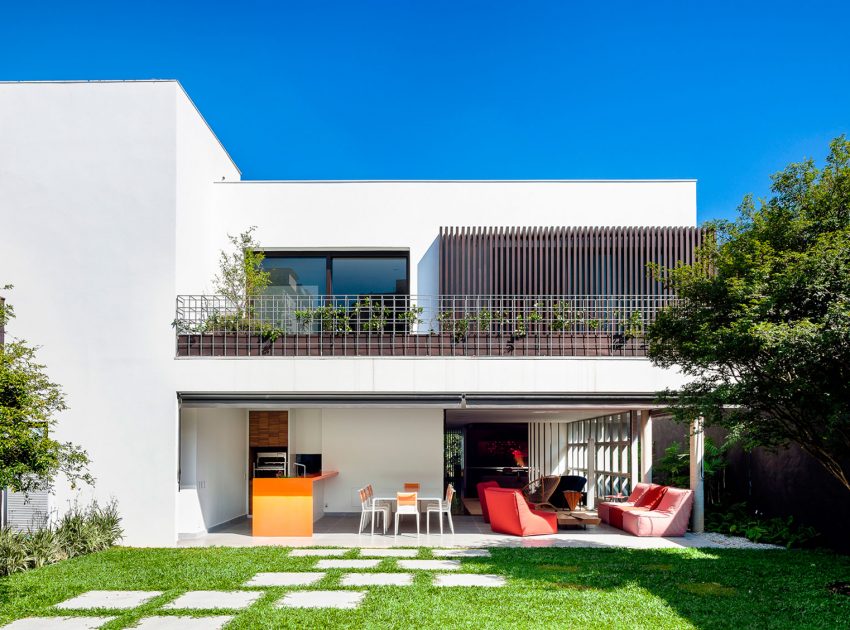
390	325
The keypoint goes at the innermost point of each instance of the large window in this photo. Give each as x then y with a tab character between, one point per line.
343	273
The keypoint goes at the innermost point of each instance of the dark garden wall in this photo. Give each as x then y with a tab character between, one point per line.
788	482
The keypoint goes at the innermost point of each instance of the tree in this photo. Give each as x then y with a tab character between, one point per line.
241	275
29	401
763	326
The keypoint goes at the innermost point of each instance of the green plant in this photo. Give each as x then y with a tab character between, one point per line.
519	328
561	317
13	551
485	320
593	324
634	325
43	548
458	327
241	276
411	316
29	403
674	467
738	519
334	319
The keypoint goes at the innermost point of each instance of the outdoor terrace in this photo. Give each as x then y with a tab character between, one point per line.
420	326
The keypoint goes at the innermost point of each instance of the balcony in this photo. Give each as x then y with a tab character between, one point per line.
415	326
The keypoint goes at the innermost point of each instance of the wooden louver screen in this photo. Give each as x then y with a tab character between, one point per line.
560	260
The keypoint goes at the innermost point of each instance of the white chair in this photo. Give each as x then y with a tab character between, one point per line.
441	507
382	508
406	503
369	511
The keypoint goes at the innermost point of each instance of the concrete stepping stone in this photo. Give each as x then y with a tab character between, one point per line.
302	553
377	579
109	599
235	600
182	623
285	579
468	579
389	553
461	553
58	623
322	599
430	565
347	564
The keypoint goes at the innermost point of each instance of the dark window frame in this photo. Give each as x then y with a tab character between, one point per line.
330	254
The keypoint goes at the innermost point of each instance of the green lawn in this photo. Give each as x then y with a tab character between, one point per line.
578	588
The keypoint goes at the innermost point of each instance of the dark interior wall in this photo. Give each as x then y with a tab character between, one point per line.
786	483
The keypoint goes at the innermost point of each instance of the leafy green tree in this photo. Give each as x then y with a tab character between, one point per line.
763	327
241	275
29	458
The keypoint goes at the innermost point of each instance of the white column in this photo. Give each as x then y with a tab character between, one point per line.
697	481
646	446
634	449
591	473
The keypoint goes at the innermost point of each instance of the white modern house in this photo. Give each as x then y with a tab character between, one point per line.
414	330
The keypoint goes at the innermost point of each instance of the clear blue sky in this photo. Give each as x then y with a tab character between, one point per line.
723	92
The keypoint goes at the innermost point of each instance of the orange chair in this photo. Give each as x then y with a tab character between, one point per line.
411	487
406	503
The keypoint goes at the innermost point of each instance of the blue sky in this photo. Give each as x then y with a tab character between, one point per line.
723	92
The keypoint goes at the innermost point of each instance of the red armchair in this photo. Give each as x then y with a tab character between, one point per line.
481	487
669	518
510	514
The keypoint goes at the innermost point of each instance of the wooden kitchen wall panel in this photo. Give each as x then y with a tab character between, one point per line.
268	428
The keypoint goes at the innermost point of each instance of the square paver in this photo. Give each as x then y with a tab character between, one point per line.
235	600
430	565
183	623
389	553
461	553
109	599
301	553
58	623
377	579
347	564
468	579
285	579
322	599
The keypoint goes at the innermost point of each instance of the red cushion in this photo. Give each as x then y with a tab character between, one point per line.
652	497
510	514
615	513
481	487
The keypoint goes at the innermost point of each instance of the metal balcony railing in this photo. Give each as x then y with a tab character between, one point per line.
401	325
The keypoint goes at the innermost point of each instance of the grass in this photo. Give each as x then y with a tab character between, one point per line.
547	588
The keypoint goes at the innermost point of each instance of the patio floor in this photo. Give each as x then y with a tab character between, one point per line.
340	530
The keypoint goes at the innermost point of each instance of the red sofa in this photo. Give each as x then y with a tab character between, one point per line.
481	487
511	514
669	518
603	509
652	510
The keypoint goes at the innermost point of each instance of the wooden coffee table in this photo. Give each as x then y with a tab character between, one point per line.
581	519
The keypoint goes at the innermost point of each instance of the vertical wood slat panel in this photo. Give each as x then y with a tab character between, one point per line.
559	261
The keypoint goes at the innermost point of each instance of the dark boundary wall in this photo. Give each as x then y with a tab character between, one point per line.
789	482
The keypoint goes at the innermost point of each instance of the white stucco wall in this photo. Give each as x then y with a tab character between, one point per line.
88	196
409	214
384	447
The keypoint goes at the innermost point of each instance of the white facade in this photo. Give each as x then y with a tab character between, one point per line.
116	196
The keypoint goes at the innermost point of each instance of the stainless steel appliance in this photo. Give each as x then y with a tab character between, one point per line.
270	464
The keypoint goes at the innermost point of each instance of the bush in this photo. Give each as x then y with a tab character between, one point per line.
738	520
79	532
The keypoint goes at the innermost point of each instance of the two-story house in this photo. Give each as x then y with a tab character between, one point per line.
426	331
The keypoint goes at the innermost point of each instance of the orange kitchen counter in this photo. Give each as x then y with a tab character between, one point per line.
285	507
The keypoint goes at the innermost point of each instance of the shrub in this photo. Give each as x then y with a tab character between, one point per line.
13	551
80	531
738	520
